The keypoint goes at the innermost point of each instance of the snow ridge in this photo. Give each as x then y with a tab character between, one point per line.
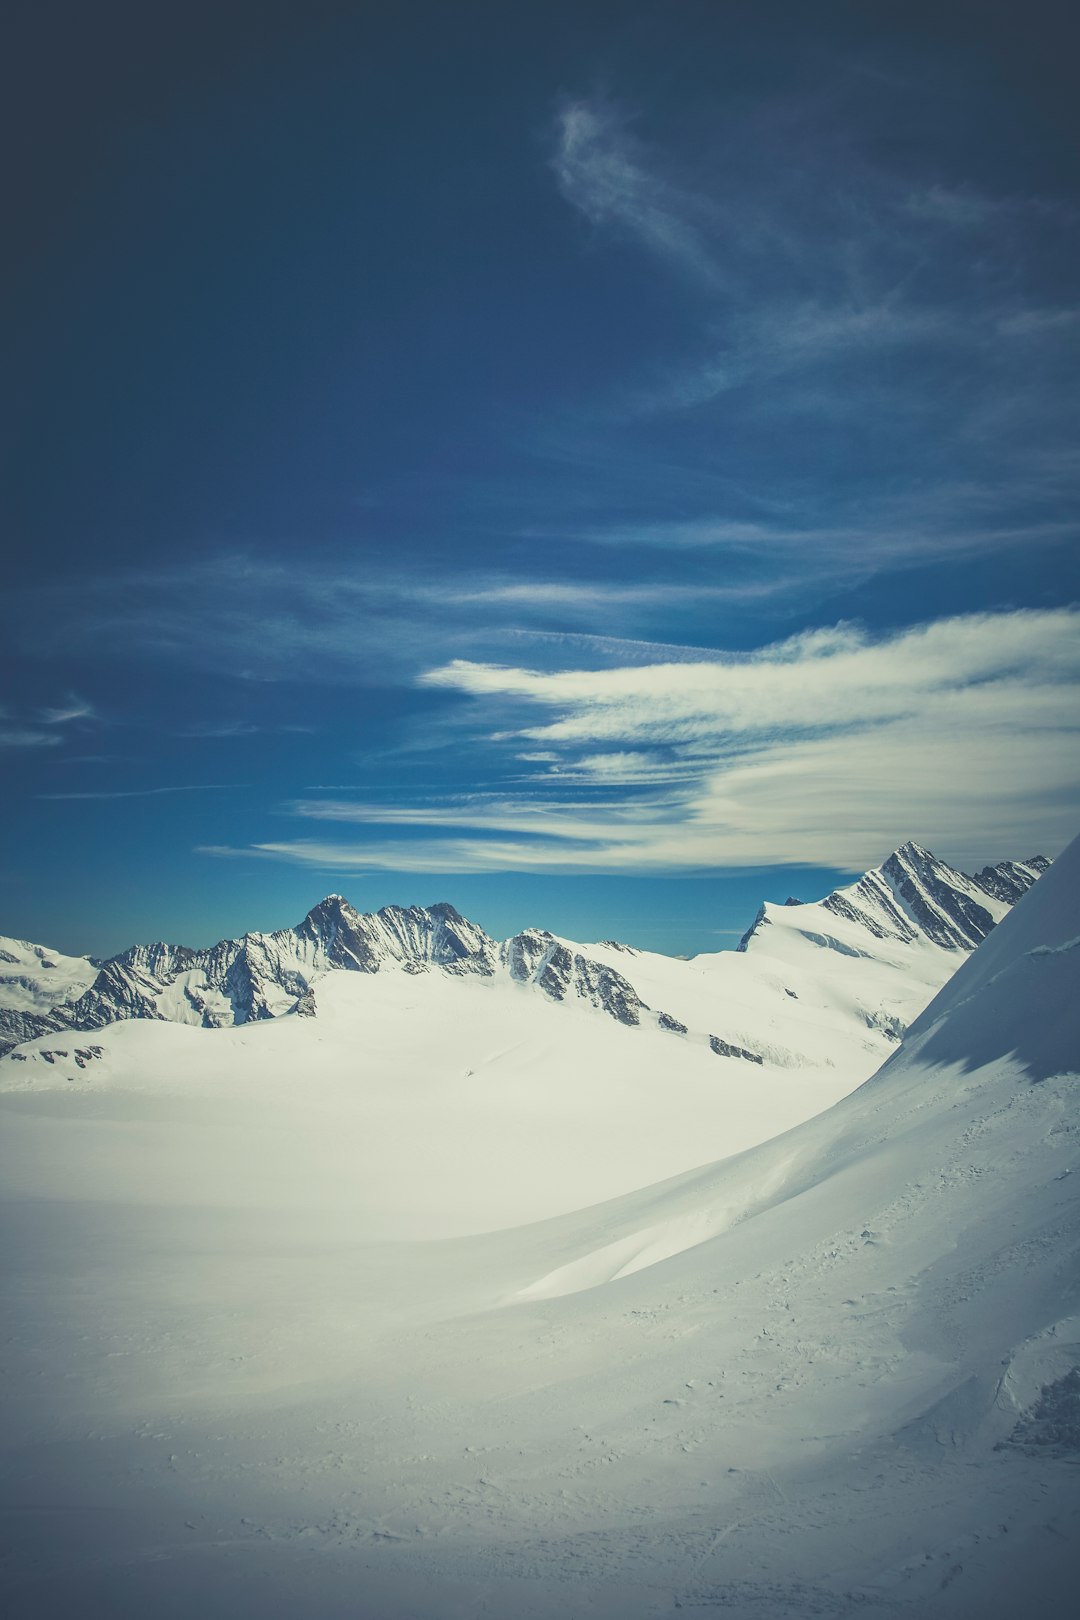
912	897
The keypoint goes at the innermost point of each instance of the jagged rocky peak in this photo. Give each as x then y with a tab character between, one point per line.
341	935
537	957
329	917
158	959
914	894
760	922
522	953
1010	879
415	936
458	944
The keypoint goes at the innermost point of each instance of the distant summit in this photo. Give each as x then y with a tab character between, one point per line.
912	897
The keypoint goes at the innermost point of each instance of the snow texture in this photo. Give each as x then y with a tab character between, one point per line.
834	1374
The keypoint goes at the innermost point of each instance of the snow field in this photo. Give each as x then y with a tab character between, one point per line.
803	1380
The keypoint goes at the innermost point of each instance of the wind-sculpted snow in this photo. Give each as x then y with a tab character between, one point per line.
833	1375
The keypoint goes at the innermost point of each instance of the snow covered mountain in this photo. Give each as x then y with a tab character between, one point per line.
834	1375
627	1065
912	900
240	981
914	896
33	982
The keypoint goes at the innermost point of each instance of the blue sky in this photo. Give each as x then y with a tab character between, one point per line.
602	464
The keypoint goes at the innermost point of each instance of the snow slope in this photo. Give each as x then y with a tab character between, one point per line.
415	1104
835	1375
33	982
450	1085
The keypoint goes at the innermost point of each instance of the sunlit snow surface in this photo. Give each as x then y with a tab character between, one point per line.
828	1376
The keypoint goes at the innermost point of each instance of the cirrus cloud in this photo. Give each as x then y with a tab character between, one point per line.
827	748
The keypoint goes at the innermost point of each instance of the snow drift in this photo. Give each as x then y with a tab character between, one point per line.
833	1375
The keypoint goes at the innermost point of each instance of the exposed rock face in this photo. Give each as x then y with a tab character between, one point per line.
17	1026
537	957
260	976
339	936
34	982
727	1049
915	895
912	895
119	991
666	1021
1010	879
760	922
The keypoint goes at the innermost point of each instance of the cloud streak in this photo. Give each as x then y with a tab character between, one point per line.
920	325
604	173
28	733
824	749
148	793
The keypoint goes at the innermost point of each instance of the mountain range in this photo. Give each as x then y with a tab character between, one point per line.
459	1298
912	900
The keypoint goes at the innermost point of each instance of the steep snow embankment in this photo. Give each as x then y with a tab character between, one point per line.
834	1375
1009	1012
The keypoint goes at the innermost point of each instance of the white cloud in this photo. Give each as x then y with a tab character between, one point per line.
817	681
603	173
830	748
16	732
63	714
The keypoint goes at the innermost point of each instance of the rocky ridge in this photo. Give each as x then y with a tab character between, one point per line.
912	896
915	895
259	976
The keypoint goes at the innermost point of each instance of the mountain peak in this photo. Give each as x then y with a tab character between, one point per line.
330	909
916	893
444	911
913	851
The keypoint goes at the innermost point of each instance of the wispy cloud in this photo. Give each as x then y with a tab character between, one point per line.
149	793
826	748
25	737
26	731
328	621
604	173
63	714
814	681
842	304
225	730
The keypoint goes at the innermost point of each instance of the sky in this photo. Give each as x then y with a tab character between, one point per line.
599	464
